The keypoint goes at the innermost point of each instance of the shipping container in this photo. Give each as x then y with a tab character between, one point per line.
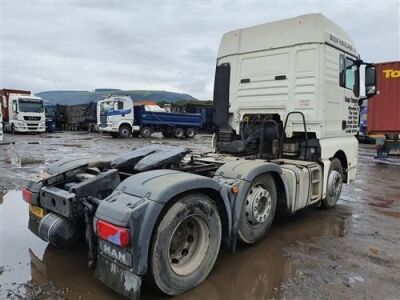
384	107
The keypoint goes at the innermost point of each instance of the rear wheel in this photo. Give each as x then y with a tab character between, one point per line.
124	131
190	132
185	245
146	132
334	185
179	133
258	209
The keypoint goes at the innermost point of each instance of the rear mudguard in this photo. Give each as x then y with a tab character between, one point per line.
139	200
244	172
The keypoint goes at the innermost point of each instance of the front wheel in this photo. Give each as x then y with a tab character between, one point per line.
258	210
125	131
185	245
334	185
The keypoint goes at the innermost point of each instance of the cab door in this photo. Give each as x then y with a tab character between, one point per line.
349	81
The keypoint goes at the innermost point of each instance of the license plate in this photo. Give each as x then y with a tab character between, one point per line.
36	211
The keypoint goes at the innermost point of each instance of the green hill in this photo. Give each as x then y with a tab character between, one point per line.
82	97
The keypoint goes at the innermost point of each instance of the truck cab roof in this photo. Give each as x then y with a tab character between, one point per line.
31	98
305	29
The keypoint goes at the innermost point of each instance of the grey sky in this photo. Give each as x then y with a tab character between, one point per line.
167	45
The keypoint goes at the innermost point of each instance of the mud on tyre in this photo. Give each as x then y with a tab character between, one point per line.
258	210
334	184
185	245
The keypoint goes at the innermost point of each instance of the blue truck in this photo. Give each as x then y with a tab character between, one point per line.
119	116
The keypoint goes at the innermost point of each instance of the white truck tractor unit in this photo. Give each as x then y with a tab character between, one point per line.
22	112
286	110
114	111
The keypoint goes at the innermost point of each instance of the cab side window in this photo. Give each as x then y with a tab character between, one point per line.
14	106
118	105
348	74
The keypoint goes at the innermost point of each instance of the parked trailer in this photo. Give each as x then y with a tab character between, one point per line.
119	116
206	111
78	117
162	212
22	112
384	109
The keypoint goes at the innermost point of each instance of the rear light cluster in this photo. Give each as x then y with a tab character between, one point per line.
113	233
27	195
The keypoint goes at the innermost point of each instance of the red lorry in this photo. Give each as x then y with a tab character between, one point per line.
384	108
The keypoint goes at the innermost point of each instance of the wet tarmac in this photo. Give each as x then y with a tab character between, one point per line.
350	251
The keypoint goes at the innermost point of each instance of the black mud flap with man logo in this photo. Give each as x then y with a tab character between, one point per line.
117	277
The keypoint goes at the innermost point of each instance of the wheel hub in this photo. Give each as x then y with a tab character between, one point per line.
125	131
334	183
188	245
258	205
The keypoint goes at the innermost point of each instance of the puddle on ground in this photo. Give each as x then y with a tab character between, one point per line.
69	145
381	202
394	214
253	272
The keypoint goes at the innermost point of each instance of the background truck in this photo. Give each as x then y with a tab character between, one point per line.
78	117
22	112
119	116
286	106
51	117
384	109
1	123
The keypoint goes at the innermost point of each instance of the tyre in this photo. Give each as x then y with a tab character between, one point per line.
167	133
185	245
146	132
190	132
124	131
334	184
258	209
13	129
179	133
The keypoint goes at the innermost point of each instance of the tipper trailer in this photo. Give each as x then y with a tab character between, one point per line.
119	116
22	112
286	106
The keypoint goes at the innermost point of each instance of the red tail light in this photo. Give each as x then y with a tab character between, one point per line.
27	195
112	233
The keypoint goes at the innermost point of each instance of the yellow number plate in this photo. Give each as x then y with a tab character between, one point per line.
36	211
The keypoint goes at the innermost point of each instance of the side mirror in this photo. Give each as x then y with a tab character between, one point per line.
370	80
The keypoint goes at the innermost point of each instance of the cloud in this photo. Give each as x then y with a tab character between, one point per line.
166	45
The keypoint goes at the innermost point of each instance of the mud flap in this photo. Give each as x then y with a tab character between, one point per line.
118	278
